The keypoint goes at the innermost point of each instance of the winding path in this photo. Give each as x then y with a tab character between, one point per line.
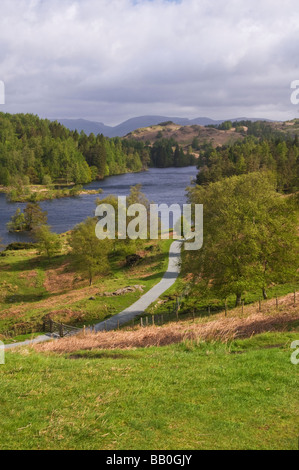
135	309
153	294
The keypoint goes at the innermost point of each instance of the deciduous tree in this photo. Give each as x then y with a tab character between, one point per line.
250	235
89	254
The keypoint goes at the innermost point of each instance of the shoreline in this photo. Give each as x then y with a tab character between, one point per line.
41	194
52	194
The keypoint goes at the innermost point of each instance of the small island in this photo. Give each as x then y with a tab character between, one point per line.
42	192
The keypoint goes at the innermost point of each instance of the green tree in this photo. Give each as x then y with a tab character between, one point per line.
34	216
136	196
226	126
49	243
17	222
89	254
248	236
195	143
47	180
278	243
4	176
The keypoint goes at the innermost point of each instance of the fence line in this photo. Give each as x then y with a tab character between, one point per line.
50	326
159	319
173	313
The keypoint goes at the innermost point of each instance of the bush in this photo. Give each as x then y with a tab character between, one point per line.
47	180
165	123
16	246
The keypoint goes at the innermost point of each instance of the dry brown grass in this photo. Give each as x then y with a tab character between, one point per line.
52	302
30	276
184	135
220	328
61	279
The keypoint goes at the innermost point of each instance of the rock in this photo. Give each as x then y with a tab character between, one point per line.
92	298
140	288
122	291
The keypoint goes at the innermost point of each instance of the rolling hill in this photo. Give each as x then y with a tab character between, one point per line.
135	123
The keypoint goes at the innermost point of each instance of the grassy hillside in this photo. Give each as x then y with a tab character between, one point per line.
239	323
32	287
185	135
214	383
241	395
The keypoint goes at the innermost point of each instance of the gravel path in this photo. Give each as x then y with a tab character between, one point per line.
38	339
153	294
135	309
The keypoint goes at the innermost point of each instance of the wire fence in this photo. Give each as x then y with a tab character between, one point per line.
174	312
171	313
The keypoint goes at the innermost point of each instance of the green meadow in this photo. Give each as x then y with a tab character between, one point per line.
242	395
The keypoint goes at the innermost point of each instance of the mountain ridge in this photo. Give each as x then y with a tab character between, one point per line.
138	122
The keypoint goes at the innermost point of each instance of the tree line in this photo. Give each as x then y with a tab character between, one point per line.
167	153
38	151
278	155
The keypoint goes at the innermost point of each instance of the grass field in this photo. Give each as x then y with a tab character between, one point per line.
32	287
239	395
214	382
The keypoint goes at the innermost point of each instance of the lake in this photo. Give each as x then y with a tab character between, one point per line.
166	185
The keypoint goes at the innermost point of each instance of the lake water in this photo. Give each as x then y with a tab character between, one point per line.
165	185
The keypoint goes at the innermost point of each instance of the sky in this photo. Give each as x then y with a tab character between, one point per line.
110	60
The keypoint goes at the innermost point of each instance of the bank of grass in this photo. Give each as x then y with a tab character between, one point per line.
238	325
38	193
202	305
32	287
239	395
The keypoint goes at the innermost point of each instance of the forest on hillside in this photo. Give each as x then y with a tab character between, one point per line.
36	151
278	154
39	151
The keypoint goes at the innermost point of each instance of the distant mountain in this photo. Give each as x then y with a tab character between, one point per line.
87	126
136	123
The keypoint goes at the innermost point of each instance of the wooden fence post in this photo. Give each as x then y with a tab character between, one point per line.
277	302
153	319
61	330
141	322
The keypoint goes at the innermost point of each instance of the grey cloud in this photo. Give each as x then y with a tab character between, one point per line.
111	60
